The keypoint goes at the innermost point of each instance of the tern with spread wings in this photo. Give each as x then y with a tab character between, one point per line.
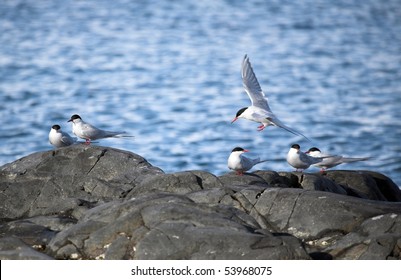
259	111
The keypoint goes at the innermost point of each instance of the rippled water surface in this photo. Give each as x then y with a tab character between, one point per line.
168	72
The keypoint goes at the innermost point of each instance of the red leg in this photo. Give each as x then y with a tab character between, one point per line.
261	127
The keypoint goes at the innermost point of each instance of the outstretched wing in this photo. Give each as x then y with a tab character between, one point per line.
252	86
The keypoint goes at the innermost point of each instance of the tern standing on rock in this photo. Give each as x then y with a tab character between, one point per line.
59	138
300	160
259	111
330	161
89	132
240	163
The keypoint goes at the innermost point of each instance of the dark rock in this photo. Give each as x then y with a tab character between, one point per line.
361	182
57	182
179	183
386	186
209	196
369	185
167	226
11	248
318	183
375	239
88	202
119	249
30	233
312	214
248	179
279	180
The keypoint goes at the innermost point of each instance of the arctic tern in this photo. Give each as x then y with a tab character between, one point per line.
239	163
259	111
300	160
59	138
331	160
89	132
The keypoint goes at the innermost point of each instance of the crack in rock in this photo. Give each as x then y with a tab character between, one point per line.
293	209
98	159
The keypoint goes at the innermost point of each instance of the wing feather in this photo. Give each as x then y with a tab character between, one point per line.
252	86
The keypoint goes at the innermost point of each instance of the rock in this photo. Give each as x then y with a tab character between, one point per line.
311	215
208	196
90	202
361	183
30	233
279	180
167	226
67	179
12	248
386	186
179	183
248	179
377	238
318	183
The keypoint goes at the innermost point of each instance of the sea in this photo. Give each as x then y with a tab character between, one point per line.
169	73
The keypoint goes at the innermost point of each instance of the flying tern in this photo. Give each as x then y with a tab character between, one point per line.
259	111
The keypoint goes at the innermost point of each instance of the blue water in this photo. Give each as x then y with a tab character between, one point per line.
168	72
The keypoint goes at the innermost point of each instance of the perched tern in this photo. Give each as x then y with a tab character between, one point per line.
59	138
89	132
330	161
300	160
239	163
259	111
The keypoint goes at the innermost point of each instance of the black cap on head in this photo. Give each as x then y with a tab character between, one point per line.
240	111
313	149
74	117
238	149
56	127
296	146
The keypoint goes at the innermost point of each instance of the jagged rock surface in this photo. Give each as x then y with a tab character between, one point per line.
90	202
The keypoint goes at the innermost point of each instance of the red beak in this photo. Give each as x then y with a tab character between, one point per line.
234	119
245	151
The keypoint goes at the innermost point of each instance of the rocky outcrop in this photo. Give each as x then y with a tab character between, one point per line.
90	202
69	181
